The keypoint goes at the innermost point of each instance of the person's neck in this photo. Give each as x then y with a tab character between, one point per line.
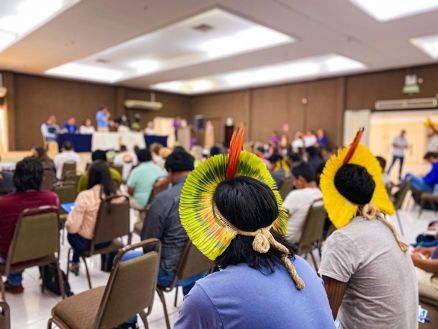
177	176
310	185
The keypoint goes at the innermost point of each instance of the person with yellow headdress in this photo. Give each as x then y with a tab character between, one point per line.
367	271
231	209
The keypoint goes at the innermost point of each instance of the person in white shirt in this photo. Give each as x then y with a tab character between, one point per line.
310	139
298	142
67	155
150	130
399	145
299	201
127	160
87	128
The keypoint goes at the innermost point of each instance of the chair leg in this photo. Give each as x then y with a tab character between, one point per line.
49	324
163	301
314	260
399	223
144	318
175	303
88	273
67	271
2	287
60	280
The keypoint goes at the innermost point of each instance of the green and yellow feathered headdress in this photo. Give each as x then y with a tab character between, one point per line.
339	209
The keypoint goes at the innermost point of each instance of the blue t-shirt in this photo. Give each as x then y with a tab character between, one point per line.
241	297
101	119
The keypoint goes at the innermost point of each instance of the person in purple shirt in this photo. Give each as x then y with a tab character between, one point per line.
264	289
426	183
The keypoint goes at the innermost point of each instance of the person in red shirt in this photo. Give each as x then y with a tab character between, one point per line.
27	179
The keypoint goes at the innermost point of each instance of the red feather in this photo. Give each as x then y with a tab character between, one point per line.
354	145
233	153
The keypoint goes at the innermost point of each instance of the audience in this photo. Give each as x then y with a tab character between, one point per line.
300	200
426	183
142	178
215	150
82	219
68	155
70	126
425	260
98	155
50	129
313	157
40	154
27	178
150	130
386	179
127	160
321	138
87	128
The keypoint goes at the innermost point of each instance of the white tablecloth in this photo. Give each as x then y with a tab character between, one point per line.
113	140
7	166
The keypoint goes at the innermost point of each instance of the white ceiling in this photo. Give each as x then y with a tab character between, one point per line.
91	28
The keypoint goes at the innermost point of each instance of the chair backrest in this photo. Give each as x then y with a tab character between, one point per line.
112	220
68	167
36	235
160	185
66	192
119	168
313	226
72	177
5	315
131	286
286	187
49	179
192	262
401	194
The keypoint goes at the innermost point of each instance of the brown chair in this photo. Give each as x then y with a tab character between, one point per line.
112	223
160	185
313	230
72	177
68	167
49	179
35	243
192	262
5	315
398	200
286	187
130	290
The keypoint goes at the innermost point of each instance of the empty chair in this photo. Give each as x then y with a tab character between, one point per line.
192	262
68	167
129	291
312	231
72	177
286	187
112	223
35	243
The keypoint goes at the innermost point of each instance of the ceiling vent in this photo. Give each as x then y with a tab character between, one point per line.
406	104
103	60
203	28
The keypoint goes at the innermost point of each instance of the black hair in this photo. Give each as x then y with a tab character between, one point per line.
312	151
295	157
304	170
430	155
98	155
68	146
355	183
215	150
248	204
144	155
28	174
99	174
319	171
123	148
41	153
179	160
382	162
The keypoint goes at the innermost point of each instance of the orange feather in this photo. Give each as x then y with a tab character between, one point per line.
233	153
354	145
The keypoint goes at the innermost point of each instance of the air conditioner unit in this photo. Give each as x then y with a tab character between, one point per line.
405	104
143	105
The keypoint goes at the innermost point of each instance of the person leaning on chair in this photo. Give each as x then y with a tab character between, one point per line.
27	179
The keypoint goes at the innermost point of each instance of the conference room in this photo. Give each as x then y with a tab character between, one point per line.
219	164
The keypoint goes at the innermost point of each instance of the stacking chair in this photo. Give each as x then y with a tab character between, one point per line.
286	187
49	179
66	193
5	316
192	262
313	229
72	177
112	223
160	185
68	167
130	290
398	200
35	243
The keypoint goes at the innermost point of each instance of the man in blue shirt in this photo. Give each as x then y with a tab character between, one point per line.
102	117
426	183
70	126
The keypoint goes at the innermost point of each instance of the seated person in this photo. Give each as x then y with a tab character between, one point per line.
299	201
426	183
142	178
28	177
67	155
386	179
127	160
40	154
426	262
261	284
95	156
314	157
70	126
367	272
82	220
87	128
428	238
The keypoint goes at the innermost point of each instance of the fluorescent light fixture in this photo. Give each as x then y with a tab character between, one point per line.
386	10
427	44
144	66
86	72
6	39
256	37
283	72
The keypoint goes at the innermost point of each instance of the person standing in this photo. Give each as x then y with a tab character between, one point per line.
399	145
102	117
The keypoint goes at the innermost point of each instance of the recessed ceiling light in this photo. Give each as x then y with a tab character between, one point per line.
427	44
385	10
86	72
144	66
